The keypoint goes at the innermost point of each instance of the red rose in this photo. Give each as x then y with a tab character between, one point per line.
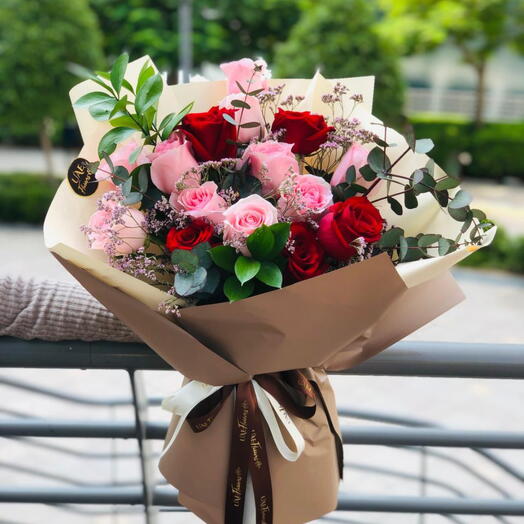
306	258
346	221
209	134
195	233
306	131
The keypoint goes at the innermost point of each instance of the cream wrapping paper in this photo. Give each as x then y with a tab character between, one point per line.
333	321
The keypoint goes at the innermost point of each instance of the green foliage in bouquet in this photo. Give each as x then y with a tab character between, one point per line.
341	39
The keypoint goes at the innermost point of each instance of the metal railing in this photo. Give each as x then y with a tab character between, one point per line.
485	361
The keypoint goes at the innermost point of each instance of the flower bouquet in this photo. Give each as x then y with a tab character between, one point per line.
256	233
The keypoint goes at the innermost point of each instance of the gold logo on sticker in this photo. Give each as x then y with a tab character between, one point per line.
81	178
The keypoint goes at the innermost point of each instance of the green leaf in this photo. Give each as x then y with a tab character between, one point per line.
403	248
128	86
261	243
118	71
281	234
443	246
410	199
230	119
391	237
102	110
416	177
447	183
247	125
246	268
351	174
124	121
111	138
133	198
148	94
121	175
145	74
234	290
428	240
185	260
172	120
367	173
126	186
459	214
423	145
187	284
240	103
478	214
270	274
395	205
143	179
92	98
212	281
202	252
378	160
133	157
224	257
120	108
82	72
460	200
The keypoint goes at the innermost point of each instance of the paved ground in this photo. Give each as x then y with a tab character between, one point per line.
493	312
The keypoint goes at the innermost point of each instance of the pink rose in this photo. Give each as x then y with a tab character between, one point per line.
271	162
242	71
310	195
130	235
243	217
170	161
253	114
200	202
356	156
120	157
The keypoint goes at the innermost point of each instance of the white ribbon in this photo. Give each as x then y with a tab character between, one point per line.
186	398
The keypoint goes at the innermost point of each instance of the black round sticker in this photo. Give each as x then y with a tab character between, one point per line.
81	178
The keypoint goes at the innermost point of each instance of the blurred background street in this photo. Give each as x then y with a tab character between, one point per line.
454	69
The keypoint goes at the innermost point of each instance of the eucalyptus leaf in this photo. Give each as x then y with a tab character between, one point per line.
460	200
443	246
410	199
391	237
378	160
187	284
202	252
127	186
351	174
424	145
212	281
367	173
143	179
133	198
428	240
185	260
248	125
395	205
240	103
459	214
447	183
403	248
121	175
229	118
478	214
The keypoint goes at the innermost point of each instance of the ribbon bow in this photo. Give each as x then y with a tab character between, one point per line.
268	396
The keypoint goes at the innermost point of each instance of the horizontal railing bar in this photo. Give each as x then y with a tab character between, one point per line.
350	434
167	496
435	359
381	436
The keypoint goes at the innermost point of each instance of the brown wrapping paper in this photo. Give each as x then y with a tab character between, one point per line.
314	473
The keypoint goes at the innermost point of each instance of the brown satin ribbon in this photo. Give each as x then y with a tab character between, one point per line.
248	449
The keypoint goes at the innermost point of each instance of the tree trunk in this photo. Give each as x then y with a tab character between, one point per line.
47	145
480	92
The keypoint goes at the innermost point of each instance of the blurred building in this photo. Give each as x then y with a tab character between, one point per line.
440	83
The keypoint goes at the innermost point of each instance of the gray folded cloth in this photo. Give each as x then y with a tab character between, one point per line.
52	310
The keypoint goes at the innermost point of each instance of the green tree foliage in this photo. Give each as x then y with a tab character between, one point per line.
340	38
477	28
38	39
222	29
